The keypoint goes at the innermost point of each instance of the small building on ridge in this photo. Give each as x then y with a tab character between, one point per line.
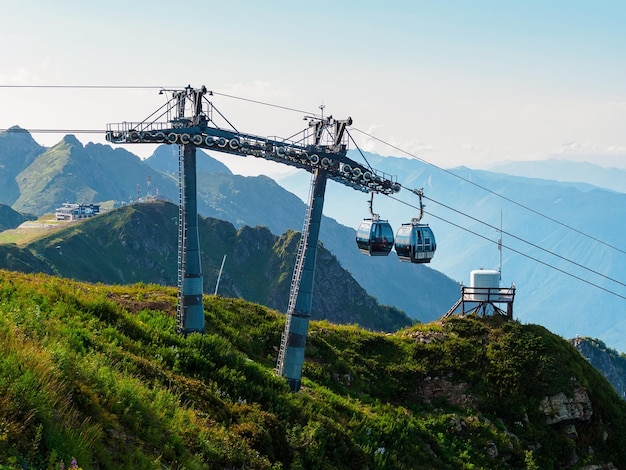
71	212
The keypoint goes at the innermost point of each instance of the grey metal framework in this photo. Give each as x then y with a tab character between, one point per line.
319	149
485	301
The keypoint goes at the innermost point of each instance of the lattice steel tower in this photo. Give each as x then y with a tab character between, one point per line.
320	149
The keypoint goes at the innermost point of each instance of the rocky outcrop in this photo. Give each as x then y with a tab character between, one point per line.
566	412
435	388
561	409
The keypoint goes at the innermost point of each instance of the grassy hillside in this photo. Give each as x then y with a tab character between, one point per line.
97	373
138	243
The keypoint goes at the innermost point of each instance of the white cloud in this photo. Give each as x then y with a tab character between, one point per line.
619	149
572	147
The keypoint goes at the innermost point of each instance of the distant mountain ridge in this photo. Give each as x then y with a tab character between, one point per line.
566	171
18	151
71	172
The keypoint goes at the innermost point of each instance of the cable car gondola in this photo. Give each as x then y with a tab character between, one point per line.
374	237
415	242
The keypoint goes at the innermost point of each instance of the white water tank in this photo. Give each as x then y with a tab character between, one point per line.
482	281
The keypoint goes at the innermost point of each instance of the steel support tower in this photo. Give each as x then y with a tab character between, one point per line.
319	149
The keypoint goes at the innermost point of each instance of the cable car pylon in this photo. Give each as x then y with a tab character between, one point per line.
293	339
320	149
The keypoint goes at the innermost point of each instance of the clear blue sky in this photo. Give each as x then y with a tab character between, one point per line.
454	82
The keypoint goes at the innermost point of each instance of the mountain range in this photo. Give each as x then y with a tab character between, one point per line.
252	201
566	171
565	280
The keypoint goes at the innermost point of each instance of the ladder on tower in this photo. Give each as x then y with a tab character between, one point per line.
295	280
182	239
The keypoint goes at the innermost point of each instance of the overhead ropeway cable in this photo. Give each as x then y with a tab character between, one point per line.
158	87
523	206
563	271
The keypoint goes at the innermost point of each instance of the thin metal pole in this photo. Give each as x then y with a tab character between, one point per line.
219	276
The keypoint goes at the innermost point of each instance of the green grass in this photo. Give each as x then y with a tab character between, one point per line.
97	373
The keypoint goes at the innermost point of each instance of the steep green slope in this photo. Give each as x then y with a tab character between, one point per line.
17	151
17	259
10	219
139	243
97	373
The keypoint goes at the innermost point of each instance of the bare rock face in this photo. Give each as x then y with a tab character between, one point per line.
566	412
560	408
606	360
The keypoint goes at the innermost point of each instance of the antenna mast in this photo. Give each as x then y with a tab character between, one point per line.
500	247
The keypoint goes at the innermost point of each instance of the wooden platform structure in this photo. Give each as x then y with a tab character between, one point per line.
485	301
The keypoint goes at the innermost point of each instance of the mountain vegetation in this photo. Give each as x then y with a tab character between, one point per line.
138	243
96	375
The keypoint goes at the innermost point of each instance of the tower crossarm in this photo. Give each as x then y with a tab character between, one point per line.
310	152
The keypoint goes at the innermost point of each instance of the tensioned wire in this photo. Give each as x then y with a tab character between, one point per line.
492	192
164	88
524	254
500	230
92	131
